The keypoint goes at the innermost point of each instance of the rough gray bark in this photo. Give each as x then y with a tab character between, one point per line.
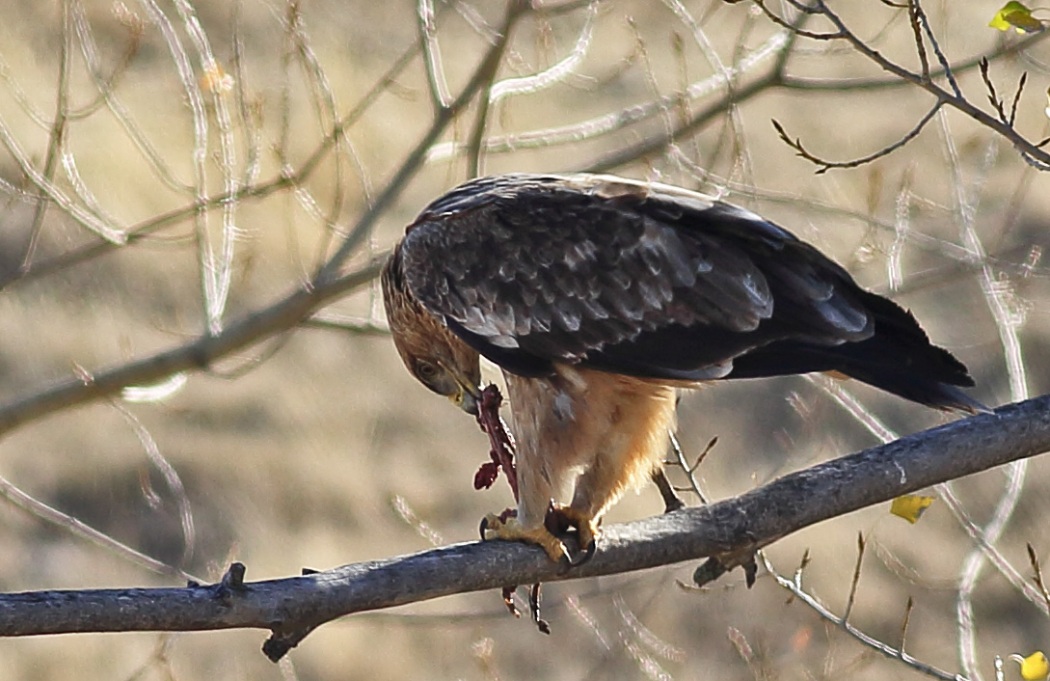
729	529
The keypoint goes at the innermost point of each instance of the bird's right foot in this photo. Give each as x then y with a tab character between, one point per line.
560	519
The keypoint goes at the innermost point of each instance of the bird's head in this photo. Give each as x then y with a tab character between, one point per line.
438	358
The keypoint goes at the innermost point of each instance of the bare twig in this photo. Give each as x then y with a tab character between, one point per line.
195	355
794	587
952	99
439	92
825	165
77	528
366	327
56	140
966	202
106	85
1033	559
482	76
144	229
171	479
856	579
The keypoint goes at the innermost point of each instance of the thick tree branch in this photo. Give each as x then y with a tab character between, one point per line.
293	607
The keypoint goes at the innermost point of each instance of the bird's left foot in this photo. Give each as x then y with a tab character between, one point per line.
561	518
507	526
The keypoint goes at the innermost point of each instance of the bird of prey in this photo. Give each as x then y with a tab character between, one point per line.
599	297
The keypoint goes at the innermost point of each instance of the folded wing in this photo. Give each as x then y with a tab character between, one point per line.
655	282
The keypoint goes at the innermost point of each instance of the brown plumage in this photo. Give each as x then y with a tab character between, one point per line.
599	296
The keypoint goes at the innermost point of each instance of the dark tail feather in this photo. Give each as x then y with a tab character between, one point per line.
899	359
917	388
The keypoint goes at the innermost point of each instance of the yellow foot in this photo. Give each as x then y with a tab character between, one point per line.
509	528
561	518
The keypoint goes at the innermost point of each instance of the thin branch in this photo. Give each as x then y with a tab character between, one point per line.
211	307
1033	559
825	166
171	478
557	73
49	514
218	266
56	139
914	14
150	226
783	23
353	325
958	102
482	76
293	607
794	586
476	139
324	104
855	582
106	86
780	45
966	204
902	227
114	236
946	68
615	121
194	355
960	67
439	93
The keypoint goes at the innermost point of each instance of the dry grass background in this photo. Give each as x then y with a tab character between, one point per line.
316	455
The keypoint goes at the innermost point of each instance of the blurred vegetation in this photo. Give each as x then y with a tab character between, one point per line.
170	168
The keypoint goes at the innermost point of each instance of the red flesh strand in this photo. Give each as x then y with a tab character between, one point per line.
501	447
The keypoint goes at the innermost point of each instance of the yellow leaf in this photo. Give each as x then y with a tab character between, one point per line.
1035	667
1016	15
910	507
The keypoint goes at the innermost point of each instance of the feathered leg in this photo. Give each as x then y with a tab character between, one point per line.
549	447
639	418
612	428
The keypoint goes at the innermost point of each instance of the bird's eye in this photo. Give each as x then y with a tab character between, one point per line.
426	370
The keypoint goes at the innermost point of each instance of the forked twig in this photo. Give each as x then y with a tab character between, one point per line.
824	165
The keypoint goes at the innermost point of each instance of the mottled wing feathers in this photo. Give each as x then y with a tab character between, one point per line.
634	278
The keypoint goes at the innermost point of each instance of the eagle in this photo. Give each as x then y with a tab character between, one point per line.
600	297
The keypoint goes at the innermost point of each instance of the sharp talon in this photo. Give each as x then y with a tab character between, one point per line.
591	549
482	527
585	555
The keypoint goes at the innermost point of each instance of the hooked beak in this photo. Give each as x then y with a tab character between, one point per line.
467	397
